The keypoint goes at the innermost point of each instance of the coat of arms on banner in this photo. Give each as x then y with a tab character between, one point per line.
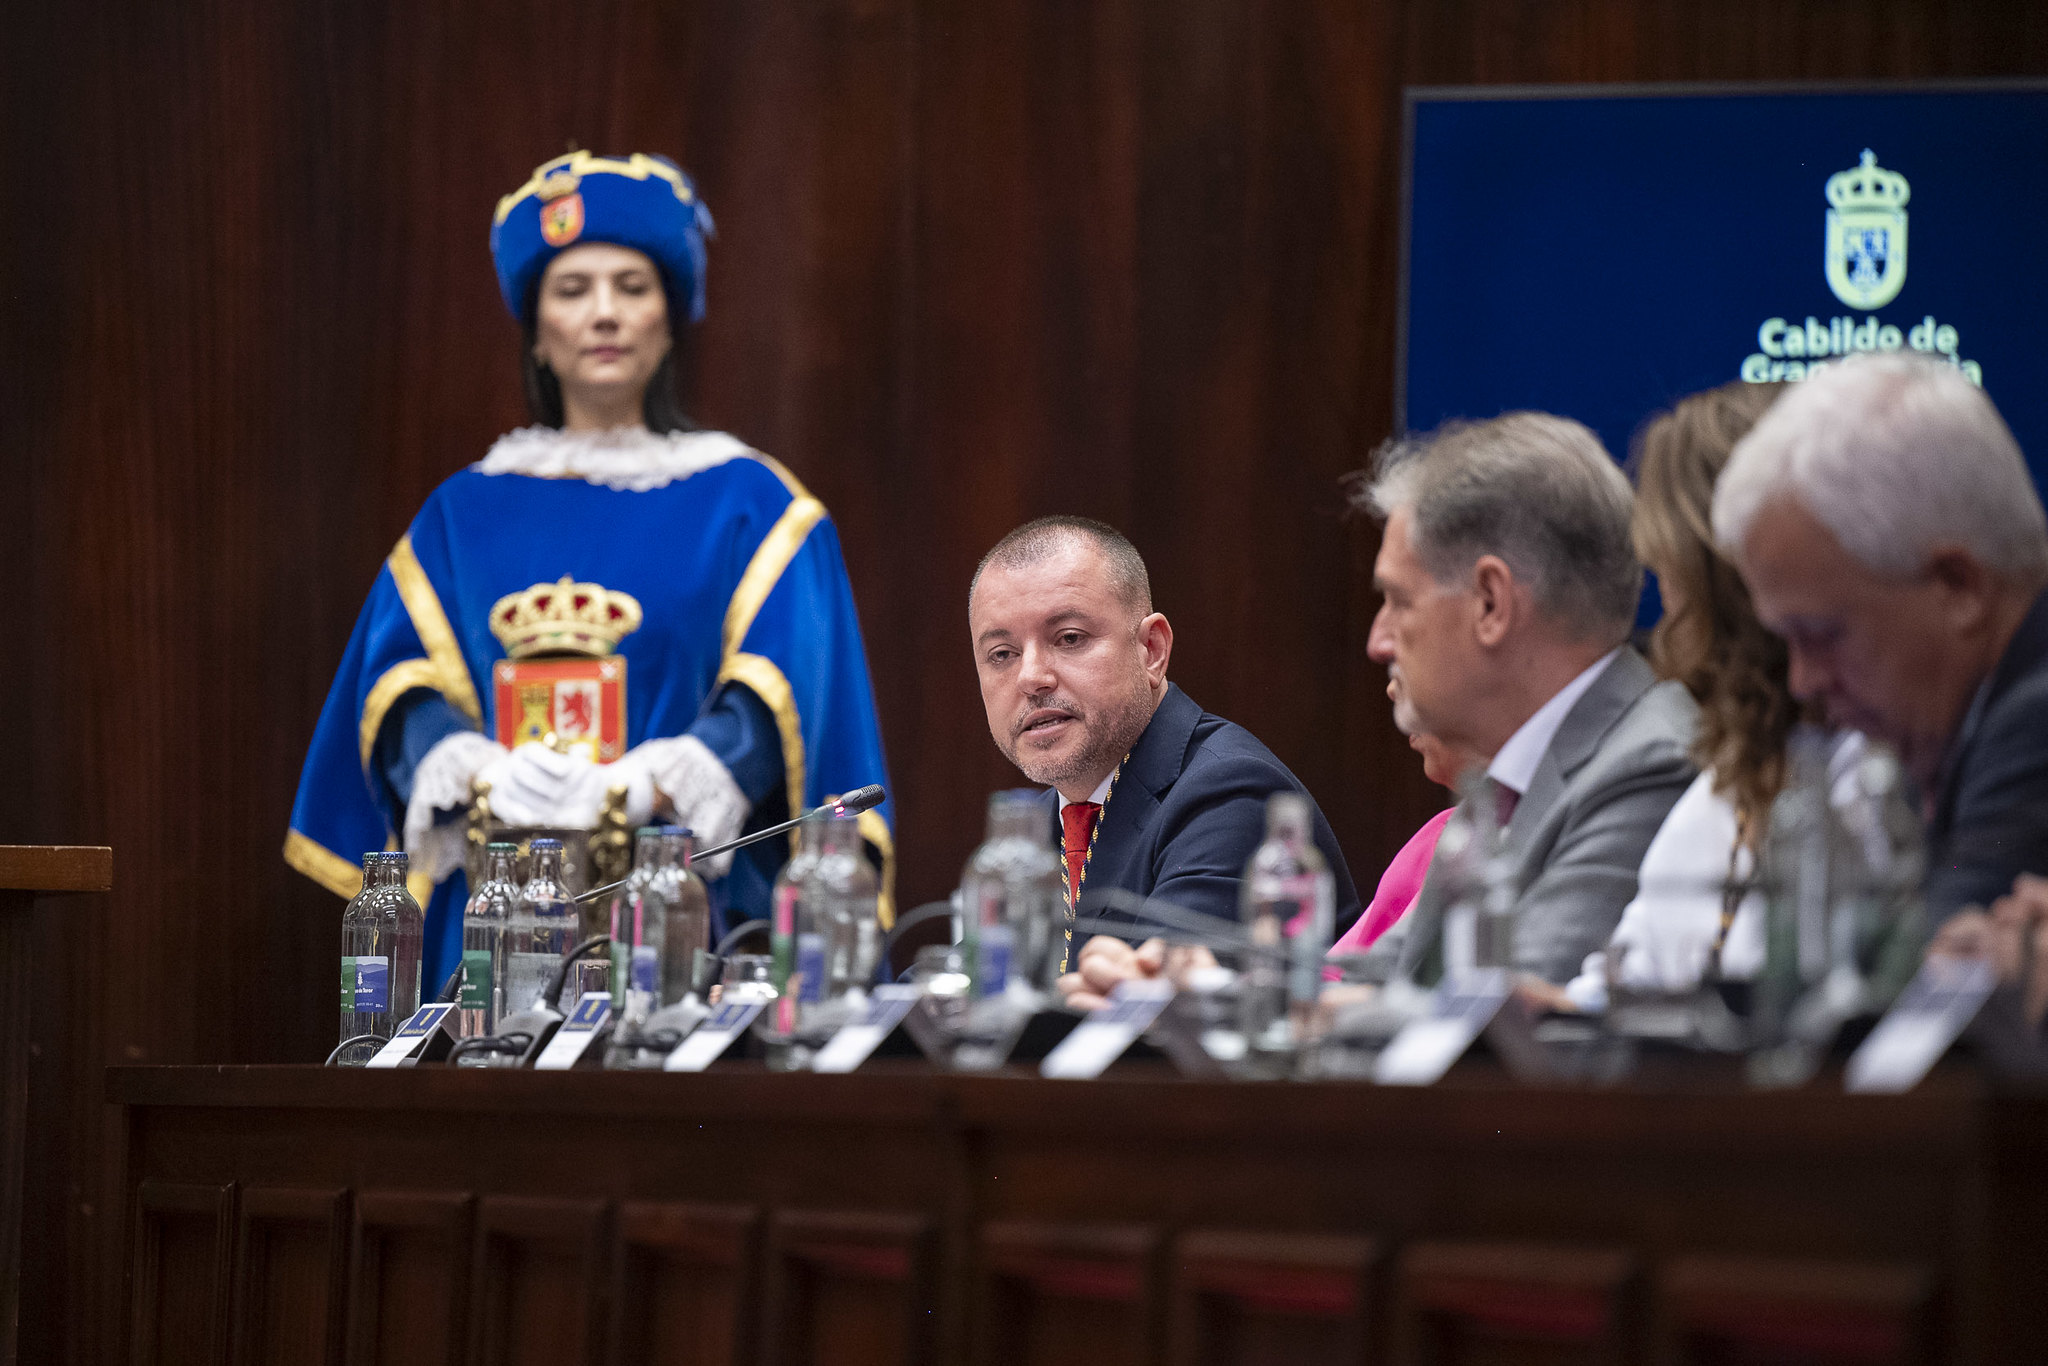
1866	242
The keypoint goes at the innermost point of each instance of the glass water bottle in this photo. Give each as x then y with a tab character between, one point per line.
785	909
1013	902
490	908
353	937
627	914
383	936
843	893
1289	910
540	932
686	938
815	934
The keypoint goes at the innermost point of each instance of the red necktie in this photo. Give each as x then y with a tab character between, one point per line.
1078	818
1504	799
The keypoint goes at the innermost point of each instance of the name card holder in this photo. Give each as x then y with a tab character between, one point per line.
423	1038
590	1020
1458	1014
857	1041
1109	1030
1930	1015
709	1040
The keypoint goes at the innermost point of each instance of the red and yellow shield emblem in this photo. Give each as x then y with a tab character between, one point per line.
561	220
576	705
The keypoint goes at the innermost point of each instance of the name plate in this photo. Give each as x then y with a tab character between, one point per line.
1930	1014
411	1035
593	1008
1458	1013
710	1039
856	1042
1109	1030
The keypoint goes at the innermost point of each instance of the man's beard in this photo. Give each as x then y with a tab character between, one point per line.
1109	738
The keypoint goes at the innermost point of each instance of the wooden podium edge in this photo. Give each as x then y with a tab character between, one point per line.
56	868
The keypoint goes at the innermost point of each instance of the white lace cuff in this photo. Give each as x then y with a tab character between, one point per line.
702	790
441	783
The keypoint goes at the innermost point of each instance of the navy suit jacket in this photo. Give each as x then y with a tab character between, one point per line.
1990	817
1186	814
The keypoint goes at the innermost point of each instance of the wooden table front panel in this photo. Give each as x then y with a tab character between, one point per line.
302	1215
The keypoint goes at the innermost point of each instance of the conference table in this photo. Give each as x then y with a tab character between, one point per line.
306	1214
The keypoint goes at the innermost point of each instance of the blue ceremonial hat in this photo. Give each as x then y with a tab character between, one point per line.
643	202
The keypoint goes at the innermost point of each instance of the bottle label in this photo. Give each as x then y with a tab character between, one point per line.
810	966
476	979
348	982
782	928
994	966
1298	894
646	968
373	984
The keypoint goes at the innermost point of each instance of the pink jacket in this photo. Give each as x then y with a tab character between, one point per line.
1399	886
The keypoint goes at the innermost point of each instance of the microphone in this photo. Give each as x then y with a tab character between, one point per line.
858	800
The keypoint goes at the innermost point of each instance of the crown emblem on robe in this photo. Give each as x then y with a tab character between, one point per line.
564	617
560	183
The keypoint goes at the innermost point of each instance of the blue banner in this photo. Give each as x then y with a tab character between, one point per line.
1601	254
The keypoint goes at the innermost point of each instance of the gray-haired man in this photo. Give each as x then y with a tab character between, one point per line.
1510	588
1886	525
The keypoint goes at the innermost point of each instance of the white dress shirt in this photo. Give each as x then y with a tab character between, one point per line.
1097	796
1667	932
1514	767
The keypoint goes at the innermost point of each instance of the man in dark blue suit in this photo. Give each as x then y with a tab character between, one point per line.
1149	793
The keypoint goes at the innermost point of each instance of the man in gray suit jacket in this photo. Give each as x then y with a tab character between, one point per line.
1510	587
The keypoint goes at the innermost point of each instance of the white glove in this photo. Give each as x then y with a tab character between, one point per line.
440	784
535	785
700	788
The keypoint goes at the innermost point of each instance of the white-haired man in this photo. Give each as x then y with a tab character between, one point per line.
1885	522
1510	588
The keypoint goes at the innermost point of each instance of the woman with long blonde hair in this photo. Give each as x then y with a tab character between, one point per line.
1681	928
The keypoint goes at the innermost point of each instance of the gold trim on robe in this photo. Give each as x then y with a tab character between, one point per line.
769	684
323	865
398	680
764	571
875	831
430	623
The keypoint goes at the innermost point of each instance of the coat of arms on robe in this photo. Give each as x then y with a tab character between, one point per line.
559	683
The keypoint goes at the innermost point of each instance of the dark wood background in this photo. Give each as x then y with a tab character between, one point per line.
977	262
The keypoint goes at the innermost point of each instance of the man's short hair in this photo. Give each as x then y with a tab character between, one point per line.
1895	455
1038	539
1537	490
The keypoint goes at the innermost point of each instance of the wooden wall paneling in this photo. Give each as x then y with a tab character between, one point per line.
688	1284
848	1289
1241	1298
409	1278
1715	1309
543	1282
291	1277
1052	1293
1500	1302
180	1277
1022	355
17	993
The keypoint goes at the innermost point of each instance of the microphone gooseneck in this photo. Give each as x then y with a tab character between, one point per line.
859	800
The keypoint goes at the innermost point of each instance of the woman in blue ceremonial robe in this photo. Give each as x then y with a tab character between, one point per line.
746	689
